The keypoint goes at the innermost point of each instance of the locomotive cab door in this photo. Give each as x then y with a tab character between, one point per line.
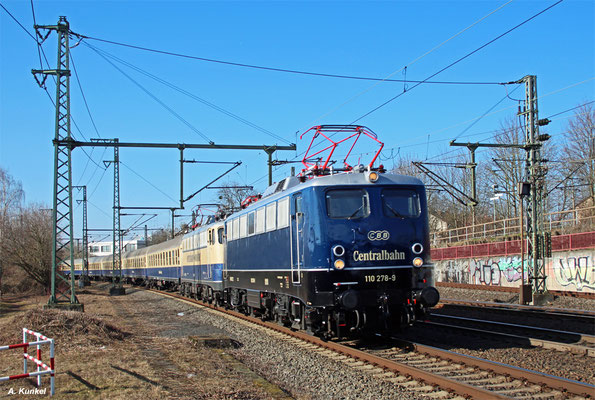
296	230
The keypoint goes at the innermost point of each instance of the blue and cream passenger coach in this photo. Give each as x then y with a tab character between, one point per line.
335	254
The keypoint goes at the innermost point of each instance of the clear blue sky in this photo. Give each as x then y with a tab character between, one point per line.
372	39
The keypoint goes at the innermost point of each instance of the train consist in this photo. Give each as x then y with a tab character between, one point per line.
337	254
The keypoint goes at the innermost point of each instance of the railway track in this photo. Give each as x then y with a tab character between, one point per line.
587	317
572	342
424	369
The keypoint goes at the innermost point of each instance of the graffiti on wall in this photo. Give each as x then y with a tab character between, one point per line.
572	270
491	271
497	272
575	272
455	271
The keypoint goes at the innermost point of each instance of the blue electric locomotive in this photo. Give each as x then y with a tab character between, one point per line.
336	255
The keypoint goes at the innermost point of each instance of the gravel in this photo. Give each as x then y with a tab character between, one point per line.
305	374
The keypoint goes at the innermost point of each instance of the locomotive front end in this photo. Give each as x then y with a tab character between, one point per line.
374	231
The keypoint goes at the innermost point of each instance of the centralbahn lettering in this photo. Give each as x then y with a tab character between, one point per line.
383	255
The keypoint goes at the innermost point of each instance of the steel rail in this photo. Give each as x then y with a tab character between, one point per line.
579	336
443	382
546	344
534	310
554	382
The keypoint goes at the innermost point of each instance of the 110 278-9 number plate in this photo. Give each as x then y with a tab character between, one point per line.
380	278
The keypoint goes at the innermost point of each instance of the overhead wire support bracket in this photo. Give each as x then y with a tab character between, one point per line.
458	194
269	149
236	164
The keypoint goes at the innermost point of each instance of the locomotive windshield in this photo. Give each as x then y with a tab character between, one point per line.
400	203
347	203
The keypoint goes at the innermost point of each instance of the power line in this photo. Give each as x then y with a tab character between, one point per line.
149	182
98	182
487	112
40	49
291	71
458	61
36	36
497	132
454	63
498	111
570	109
17	21
191	95
99	208
175	114
90	117
83	94
408	65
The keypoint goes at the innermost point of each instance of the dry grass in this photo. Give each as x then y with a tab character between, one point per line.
97	358
69	327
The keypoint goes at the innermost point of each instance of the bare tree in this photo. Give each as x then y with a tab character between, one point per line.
27	242
441	204
11	200
231	197
579	150
11	195
159	236
507	166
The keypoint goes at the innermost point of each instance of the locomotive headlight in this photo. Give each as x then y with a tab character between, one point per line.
372	176
338	250
339	264
418	262
417	248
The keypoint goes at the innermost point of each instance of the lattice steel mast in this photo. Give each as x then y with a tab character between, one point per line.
84	278
538	239
116	288
63	246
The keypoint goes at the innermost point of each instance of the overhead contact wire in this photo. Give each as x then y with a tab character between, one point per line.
459	60
292	71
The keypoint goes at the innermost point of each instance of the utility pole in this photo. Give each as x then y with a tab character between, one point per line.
62	294
539	241
116	289
84	278
539	247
